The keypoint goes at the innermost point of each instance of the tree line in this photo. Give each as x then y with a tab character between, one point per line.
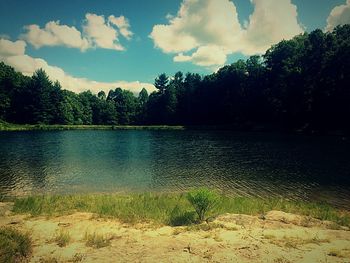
298	84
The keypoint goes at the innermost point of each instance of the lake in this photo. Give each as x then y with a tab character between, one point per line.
247	164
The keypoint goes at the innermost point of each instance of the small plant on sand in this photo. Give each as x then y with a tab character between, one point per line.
179	217
78	257
62	238
48	259
14	245
203	200
96	240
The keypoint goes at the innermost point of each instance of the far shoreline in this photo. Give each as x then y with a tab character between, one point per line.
4	126
58	127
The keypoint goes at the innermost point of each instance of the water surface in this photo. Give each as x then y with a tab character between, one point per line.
249	164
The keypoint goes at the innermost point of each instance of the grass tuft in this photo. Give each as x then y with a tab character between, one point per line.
168	209
96	240
49	259
14	245
203	200
62	238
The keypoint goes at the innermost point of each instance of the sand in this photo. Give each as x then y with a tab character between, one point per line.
276	237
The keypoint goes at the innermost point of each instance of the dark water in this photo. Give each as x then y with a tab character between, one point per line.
265	165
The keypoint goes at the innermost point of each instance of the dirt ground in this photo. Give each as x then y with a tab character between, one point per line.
275	237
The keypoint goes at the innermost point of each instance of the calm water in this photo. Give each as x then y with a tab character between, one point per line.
296	167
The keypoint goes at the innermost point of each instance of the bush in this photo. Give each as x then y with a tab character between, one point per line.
62	238
178	217
202	200
96	240
14	246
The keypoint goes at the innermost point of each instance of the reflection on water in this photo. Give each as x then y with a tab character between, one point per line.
265	165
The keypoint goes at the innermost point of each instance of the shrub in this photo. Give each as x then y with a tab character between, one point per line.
14	246
202	200
96	240
62	238
178	217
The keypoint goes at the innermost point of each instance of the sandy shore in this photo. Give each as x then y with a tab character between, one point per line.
276	237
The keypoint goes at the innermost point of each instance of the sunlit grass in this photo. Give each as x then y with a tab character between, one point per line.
14	245
62	238
169	209
96	240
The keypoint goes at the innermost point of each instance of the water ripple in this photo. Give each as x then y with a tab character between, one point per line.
263	165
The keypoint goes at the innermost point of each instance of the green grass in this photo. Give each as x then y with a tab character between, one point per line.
62	238
96	240
14	245
169	209
203	201
4	126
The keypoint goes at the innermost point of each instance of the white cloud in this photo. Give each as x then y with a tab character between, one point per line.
13	54
204	56
271	22
9	48
340	15
100	33
123	25
5	36
198	22
97	33
55	34
206	25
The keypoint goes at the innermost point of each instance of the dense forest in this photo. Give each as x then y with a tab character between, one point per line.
299	84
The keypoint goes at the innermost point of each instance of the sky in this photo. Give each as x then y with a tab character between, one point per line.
104	44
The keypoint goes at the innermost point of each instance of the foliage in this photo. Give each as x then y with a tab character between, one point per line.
14	245
161	82
203	200
171	209
62	238
179	217
301	84
96	240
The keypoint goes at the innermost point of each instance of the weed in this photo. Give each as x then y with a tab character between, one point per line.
48	259
62	238
78	257
97	240
14	245
170	209
203	200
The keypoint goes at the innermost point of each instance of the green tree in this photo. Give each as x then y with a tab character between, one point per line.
41	99
10	84
143	97
203	200
126	105
161	82
101	95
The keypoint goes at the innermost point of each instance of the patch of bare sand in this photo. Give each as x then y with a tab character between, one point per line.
278	237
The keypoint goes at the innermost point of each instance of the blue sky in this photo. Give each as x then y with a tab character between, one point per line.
145	57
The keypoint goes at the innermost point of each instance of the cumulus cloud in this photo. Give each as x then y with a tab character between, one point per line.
100	33
198	22
13	54
123	25
271	21
97	33
212	26
204	56
54	34
9	48
340	15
